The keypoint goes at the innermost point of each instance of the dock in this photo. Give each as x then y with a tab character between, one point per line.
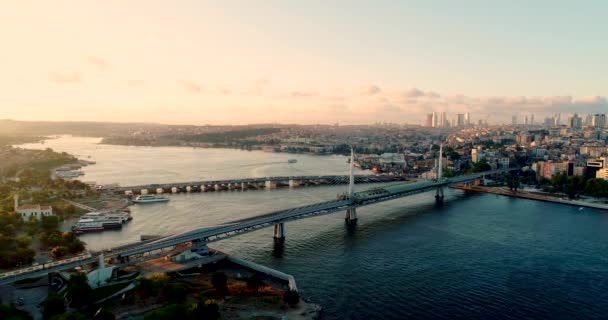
530	196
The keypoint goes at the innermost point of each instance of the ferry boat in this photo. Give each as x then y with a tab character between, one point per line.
149	198
292	160
87	225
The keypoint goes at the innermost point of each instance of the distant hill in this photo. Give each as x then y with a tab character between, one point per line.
80	128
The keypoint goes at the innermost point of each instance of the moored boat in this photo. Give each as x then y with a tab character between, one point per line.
149	198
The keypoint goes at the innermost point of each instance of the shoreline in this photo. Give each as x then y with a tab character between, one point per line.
530	196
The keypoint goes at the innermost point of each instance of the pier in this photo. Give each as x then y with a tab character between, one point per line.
530	196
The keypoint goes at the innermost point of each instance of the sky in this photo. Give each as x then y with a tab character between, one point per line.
313	61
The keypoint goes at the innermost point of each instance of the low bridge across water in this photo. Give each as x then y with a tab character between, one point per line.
255	183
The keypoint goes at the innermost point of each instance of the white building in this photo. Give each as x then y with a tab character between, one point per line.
34	210
28	211
602	174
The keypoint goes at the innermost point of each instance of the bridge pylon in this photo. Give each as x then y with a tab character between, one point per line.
351	213
279	231
351	216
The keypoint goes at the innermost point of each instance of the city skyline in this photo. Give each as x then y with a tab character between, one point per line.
239	63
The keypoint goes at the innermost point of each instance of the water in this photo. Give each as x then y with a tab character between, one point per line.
478	256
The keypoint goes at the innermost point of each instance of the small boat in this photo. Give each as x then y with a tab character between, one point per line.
292	160
148	198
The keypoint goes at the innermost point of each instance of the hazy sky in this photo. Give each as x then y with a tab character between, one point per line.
300	61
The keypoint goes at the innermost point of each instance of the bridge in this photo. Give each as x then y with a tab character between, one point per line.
255	183
199	238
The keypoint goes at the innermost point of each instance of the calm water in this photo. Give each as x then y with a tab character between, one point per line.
478	256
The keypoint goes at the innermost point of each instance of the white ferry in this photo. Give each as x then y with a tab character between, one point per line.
149	198
87	225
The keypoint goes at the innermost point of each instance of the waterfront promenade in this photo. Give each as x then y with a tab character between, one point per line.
530	196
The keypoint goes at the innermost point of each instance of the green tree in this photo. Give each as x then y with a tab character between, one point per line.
71	316
255	282
79	290
12	313
50	223
481	166
220	282
596	188
206	310
24	256
23	241
53	305
170	312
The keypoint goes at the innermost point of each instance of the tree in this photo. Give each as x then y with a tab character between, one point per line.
170	312
50	223
24	256
59	252
220	282
23	241
71	316
12	313
255	282
144	288
596	188
481	166
79	290
206	310
291	297
53	305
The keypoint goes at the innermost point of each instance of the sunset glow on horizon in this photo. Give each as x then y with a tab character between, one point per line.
352	62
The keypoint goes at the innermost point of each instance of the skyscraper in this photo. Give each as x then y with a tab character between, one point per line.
599	121
429	120
532	119
514	120
444	120
434	120
575	122
460	119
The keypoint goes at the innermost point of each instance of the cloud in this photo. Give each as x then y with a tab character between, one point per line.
190	86
413	93
303	94
432	95
222	90
371	90
136	83
98	62
65	78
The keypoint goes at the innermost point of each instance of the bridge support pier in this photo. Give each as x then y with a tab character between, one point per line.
439	195
200	247
243	186
279	231
351	216
217	187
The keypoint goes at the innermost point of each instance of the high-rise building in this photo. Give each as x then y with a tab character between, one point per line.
526	120
514	120
467	119
460	120
532	119
429	120
434	121
599	121
575	122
